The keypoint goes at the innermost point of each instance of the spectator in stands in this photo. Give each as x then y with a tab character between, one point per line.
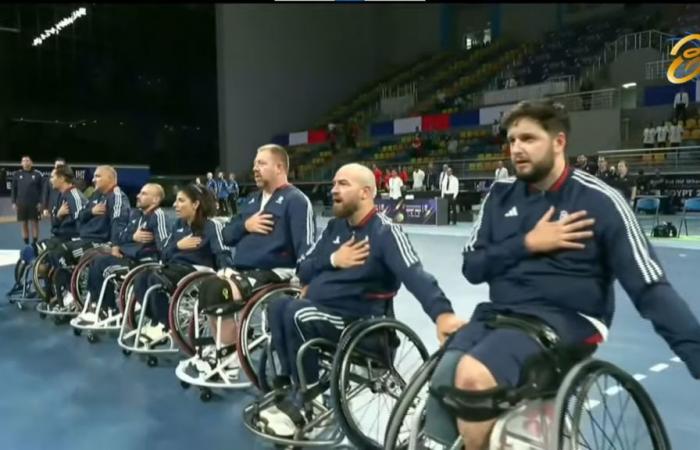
501	171
332	135
211	183
649	136
377	177
511	83
603	171
403	174
680	104
675	134
198	182
387	177
441	97
452	145
418	179
222	194
582	163
625	184
395	185
443	174
417	144
449	189
430	177
496	128
662	134
458	102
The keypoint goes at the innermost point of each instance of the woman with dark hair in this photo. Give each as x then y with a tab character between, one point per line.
195	240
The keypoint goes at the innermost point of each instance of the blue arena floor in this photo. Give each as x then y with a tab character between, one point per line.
59	392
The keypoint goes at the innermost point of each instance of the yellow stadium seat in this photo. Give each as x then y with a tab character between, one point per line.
691	123
686	134
695	134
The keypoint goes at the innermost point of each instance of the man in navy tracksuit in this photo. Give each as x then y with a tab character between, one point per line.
27	187
100	222
353	272
275	228
143	239
550	244
65	206
49	192
233	193
222	193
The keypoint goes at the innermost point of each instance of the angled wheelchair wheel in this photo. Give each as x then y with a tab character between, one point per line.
181	311
254	331
412	401
599	406
40	276
126	292
371	368
79	276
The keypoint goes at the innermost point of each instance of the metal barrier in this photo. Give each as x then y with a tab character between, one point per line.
589	100
684	159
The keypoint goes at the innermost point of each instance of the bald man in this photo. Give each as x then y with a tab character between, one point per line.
352	272
142	239
100	222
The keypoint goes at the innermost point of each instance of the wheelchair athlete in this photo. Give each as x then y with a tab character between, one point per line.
275	228
143	239
356	266
555	273
65	207
194	241
99	222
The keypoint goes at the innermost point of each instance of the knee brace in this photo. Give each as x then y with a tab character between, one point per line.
216	293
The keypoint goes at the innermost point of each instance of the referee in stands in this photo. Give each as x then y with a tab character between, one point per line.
27	188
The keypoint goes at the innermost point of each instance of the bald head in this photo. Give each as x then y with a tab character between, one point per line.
354	189
360	175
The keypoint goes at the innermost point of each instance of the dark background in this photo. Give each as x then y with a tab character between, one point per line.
124	84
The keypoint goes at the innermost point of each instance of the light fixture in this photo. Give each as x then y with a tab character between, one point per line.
80	12
629	85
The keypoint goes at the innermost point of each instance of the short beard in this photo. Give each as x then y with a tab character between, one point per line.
343	210
540	171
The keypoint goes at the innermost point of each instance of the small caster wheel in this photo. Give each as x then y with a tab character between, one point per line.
126	352
152	361
184	385
92	338
42	316
78	332
205	395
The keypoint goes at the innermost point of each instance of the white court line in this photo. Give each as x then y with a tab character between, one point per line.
659	367
639	376
8	257
676	359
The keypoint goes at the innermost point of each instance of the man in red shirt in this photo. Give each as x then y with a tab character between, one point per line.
377	176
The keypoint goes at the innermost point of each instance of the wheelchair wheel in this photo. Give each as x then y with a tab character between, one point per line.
20	269
403	416
40	276
79	276
254	331
181	311
126	291
371	368
600	406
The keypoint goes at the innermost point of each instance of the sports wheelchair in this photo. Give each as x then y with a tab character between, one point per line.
43	276
565	401
134	319
366	370
93	317
23	290
217	368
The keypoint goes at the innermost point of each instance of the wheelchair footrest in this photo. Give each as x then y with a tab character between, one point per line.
477	406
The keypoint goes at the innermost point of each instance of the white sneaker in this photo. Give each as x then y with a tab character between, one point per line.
154	333
278	422
68	299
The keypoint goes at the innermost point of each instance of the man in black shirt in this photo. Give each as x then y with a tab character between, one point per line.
624	183
27	187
